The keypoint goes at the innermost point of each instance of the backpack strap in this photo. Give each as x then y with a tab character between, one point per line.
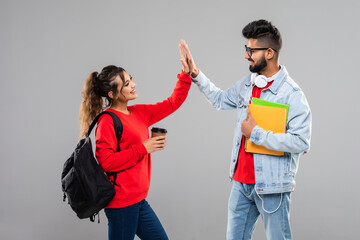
118	128
92	218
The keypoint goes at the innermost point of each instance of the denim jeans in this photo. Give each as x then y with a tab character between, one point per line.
245	206
137	219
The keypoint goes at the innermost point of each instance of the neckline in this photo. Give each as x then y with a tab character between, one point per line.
126	114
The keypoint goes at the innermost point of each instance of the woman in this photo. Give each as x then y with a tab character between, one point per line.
128	213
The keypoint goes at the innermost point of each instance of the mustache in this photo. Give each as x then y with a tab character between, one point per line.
251	60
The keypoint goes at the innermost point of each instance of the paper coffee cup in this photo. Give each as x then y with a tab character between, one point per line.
155	131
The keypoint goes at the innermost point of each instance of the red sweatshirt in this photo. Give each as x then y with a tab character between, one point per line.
244	171
133	158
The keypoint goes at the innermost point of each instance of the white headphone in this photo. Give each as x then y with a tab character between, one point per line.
260	80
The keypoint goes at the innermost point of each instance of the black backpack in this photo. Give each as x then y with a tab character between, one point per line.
84	183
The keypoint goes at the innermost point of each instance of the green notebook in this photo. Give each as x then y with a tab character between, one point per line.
258	101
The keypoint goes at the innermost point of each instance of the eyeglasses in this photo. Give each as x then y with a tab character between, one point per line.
250	51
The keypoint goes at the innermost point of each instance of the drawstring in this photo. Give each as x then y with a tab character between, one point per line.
262	201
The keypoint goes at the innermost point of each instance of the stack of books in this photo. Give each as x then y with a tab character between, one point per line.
270	116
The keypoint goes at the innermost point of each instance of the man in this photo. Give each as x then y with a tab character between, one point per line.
262	183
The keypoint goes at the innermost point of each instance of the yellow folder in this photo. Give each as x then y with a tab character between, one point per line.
270	119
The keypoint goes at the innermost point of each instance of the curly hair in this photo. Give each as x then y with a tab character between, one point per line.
265	33
96	89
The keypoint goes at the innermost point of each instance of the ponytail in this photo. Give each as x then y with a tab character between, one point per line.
96	90
91	105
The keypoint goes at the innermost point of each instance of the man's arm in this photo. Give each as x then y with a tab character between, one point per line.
220	99
298	132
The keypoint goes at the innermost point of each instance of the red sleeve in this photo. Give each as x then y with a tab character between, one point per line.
156	112
106	144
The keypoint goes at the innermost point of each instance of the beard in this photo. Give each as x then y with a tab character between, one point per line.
258	67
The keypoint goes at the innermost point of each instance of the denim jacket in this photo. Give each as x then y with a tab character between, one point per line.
273	174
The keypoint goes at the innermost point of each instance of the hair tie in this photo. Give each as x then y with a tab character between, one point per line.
95	81
95	77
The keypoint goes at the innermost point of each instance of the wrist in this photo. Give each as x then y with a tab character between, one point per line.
184	73
195	73
250	132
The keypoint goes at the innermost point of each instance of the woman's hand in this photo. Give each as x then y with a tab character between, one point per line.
189	60
155	144
185	66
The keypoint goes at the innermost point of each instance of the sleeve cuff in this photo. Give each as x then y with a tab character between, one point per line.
199	77
142	151
255	135
184	77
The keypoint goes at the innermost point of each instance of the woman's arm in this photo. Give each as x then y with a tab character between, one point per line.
156	112
106	144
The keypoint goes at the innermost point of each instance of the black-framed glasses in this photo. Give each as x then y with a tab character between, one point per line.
250	51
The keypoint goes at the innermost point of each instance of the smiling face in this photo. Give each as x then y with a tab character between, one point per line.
126	90
257	58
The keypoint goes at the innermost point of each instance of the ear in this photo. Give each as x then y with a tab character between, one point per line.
111	95
270	54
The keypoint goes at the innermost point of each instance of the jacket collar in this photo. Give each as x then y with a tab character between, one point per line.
279	78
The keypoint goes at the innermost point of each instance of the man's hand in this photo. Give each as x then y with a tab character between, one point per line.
248	124
190	61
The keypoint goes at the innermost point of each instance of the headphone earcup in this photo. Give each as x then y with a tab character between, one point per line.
261	81
252	78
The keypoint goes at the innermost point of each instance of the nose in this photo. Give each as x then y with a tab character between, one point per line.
246	55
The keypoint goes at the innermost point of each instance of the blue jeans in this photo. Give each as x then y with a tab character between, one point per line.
245	206
137	219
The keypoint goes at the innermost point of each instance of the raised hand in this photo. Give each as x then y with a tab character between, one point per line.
185	65
155	144
193	69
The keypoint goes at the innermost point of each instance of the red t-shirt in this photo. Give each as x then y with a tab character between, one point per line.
133	159
244	171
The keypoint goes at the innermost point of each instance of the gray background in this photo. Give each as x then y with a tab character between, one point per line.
48	48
